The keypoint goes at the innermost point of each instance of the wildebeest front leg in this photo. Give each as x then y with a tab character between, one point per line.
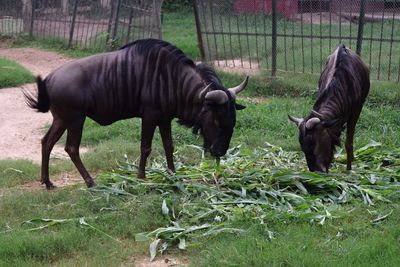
148	128
351	125
48	141
165	131
72	148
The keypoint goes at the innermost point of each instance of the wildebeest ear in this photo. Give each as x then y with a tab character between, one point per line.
329	123
239	107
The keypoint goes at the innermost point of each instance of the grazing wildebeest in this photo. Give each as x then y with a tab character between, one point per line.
150	79
343	87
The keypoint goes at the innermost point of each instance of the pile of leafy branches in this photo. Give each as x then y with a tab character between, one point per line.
258	185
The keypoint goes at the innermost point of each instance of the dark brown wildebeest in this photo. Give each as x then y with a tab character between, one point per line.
150	79
343	87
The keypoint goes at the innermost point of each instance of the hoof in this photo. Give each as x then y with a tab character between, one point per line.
50	186
91	184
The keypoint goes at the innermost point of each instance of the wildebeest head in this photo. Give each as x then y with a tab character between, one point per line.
318	139
217	118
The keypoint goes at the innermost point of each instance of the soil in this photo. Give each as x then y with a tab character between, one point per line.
21	127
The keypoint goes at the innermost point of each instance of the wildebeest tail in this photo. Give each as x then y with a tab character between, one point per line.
41	102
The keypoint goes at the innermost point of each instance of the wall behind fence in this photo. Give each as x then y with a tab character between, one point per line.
297	36
95	24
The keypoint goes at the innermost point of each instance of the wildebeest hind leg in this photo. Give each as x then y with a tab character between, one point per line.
165	131
72	148
48	141
148	128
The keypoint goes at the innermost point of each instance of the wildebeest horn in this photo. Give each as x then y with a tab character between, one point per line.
236	90
218	97
312	122
295	120
317	114
204	91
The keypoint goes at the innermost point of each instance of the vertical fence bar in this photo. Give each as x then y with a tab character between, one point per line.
128	35
274	38
256	37
330	26
32	18
109	26
293	50
284	32
240	44
217	56
320	35
361	22
302	35
351	22
311	37
371	35
340	20
247	37
230	40
265	38
114	35
223	38
71	32
391	46
381	42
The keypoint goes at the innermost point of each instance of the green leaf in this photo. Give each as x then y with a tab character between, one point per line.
182	243
164	208
141	237
153	248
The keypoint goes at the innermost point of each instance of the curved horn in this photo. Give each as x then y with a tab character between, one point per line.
295	120
312	122
204	91
236	90
218	97
317	114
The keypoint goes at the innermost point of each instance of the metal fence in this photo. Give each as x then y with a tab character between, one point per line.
98	24
298	35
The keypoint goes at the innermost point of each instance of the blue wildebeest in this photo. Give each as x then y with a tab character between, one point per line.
150	79
343	87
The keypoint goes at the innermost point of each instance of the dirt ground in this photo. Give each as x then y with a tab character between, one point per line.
21	127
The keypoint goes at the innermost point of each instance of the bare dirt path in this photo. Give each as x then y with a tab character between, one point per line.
22	128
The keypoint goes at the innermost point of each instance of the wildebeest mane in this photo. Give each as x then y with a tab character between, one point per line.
210	77
175	54
344	89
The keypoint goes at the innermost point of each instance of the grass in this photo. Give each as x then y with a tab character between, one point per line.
13	74
348	239
15	172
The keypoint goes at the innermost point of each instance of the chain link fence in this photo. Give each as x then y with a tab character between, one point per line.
95	24
298	35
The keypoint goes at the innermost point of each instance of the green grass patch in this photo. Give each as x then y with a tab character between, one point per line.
13	74
16	172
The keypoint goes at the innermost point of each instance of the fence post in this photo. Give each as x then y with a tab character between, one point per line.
198	30
114	35
32	18
110	22
274	38
361	22
71	32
